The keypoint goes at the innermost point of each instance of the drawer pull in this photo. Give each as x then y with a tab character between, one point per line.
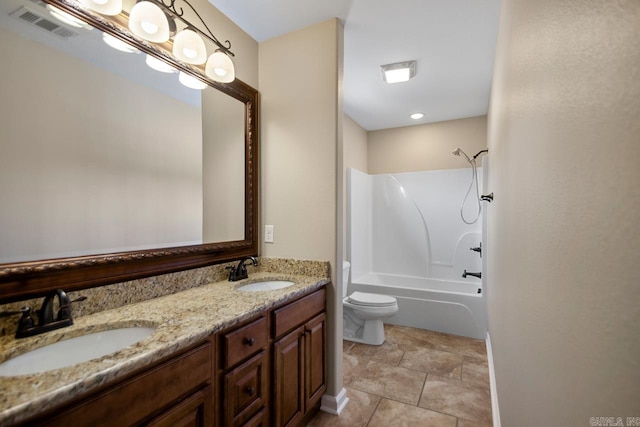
249	341
251	391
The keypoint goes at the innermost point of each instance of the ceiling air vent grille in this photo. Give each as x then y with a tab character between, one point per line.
34	18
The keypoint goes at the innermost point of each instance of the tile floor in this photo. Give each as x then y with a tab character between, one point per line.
416	378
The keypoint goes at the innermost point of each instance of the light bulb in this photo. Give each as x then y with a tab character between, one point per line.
220	68
148	21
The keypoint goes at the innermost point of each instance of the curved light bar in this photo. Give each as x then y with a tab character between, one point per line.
189	47
220	68
148	21
104	7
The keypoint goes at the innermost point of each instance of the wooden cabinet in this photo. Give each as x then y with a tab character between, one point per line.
299	359
245	367
270	370
175	392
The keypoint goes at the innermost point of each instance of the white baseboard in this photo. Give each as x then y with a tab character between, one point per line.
495	410
334	404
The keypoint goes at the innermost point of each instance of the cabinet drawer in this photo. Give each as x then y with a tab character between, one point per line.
261	419
245	389
135	399
296	313
244	341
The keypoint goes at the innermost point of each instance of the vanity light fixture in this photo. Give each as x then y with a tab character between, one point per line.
398	72
417	116
118	44
156	21
104	7
158	65
189	47
148	21
190	81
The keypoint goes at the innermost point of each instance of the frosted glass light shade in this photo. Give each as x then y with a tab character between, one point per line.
148	21
104	7
68	19
220	68
158	65
189	47
190	81
118	44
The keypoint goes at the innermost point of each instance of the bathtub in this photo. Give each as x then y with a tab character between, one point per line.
453	307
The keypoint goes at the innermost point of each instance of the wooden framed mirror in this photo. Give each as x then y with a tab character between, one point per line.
33	195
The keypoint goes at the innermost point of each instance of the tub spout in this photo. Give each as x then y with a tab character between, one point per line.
468	273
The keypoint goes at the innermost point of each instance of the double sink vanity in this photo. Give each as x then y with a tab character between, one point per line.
250	353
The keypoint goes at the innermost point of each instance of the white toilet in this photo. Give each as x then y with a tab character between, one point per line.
363	313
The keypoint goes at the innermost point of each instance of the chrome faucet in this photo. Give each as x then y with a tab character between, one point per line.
468	273
46	320
240	271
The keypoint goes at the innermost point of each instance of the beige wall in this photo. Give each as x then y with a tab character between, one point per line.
301	137
355	156
355	145
426	147
563	246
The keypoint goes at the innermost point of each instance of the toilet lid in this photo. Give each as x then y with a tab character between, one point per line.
363	298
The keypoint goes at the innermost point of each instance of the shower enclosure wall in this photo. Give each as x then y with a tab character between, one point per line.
406	239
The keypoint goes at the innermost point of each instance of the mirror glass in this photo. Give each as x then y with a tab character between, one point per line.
100	153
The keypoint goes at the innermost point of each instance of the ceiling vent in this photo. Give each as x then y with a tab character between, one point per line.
34	18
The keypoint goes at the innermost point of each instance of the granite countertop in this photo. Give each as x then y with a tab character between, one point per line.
181	320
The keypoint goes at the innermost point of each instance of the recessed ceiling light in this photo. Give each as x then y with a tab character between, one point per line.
416	116
398	72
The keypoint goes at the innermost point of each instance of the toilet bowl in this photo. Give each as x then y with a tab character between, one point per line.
363	313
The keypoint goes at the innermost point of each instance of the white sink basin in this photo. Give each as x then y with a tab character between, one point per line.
269	285
73	351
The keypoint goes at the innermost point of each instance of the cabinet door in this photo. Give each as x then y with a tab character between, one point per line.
195	411
289	378
245	390
315	360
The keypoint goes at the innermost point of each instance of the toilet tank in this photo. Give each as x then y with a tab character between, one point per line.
345	277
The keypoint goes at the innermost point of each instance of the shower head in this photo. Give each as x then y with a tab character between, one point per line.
459	151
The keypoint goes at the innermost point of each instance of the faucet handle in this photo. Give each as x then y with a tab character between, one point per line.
25	322
64	312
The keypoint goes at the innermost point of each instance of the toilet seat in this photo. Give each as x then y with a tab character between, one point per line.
371	300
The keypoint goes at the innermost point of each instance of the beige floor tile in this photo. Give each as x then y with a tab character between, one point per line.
391	413
393	382
429	360
475	374
455	398
466	423
352	367
357	413
408	338
388	353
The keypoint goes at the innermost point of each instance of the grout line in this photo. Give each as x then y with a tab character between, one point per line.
374	411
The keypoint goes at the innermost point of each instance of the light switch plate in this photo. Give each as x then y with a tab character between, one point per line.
268	233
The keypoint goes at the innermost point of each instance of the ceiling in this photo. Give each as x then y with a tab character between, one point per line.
453	42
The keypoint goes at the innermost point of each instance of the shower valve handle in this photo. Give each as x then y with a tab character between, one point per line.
487	197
